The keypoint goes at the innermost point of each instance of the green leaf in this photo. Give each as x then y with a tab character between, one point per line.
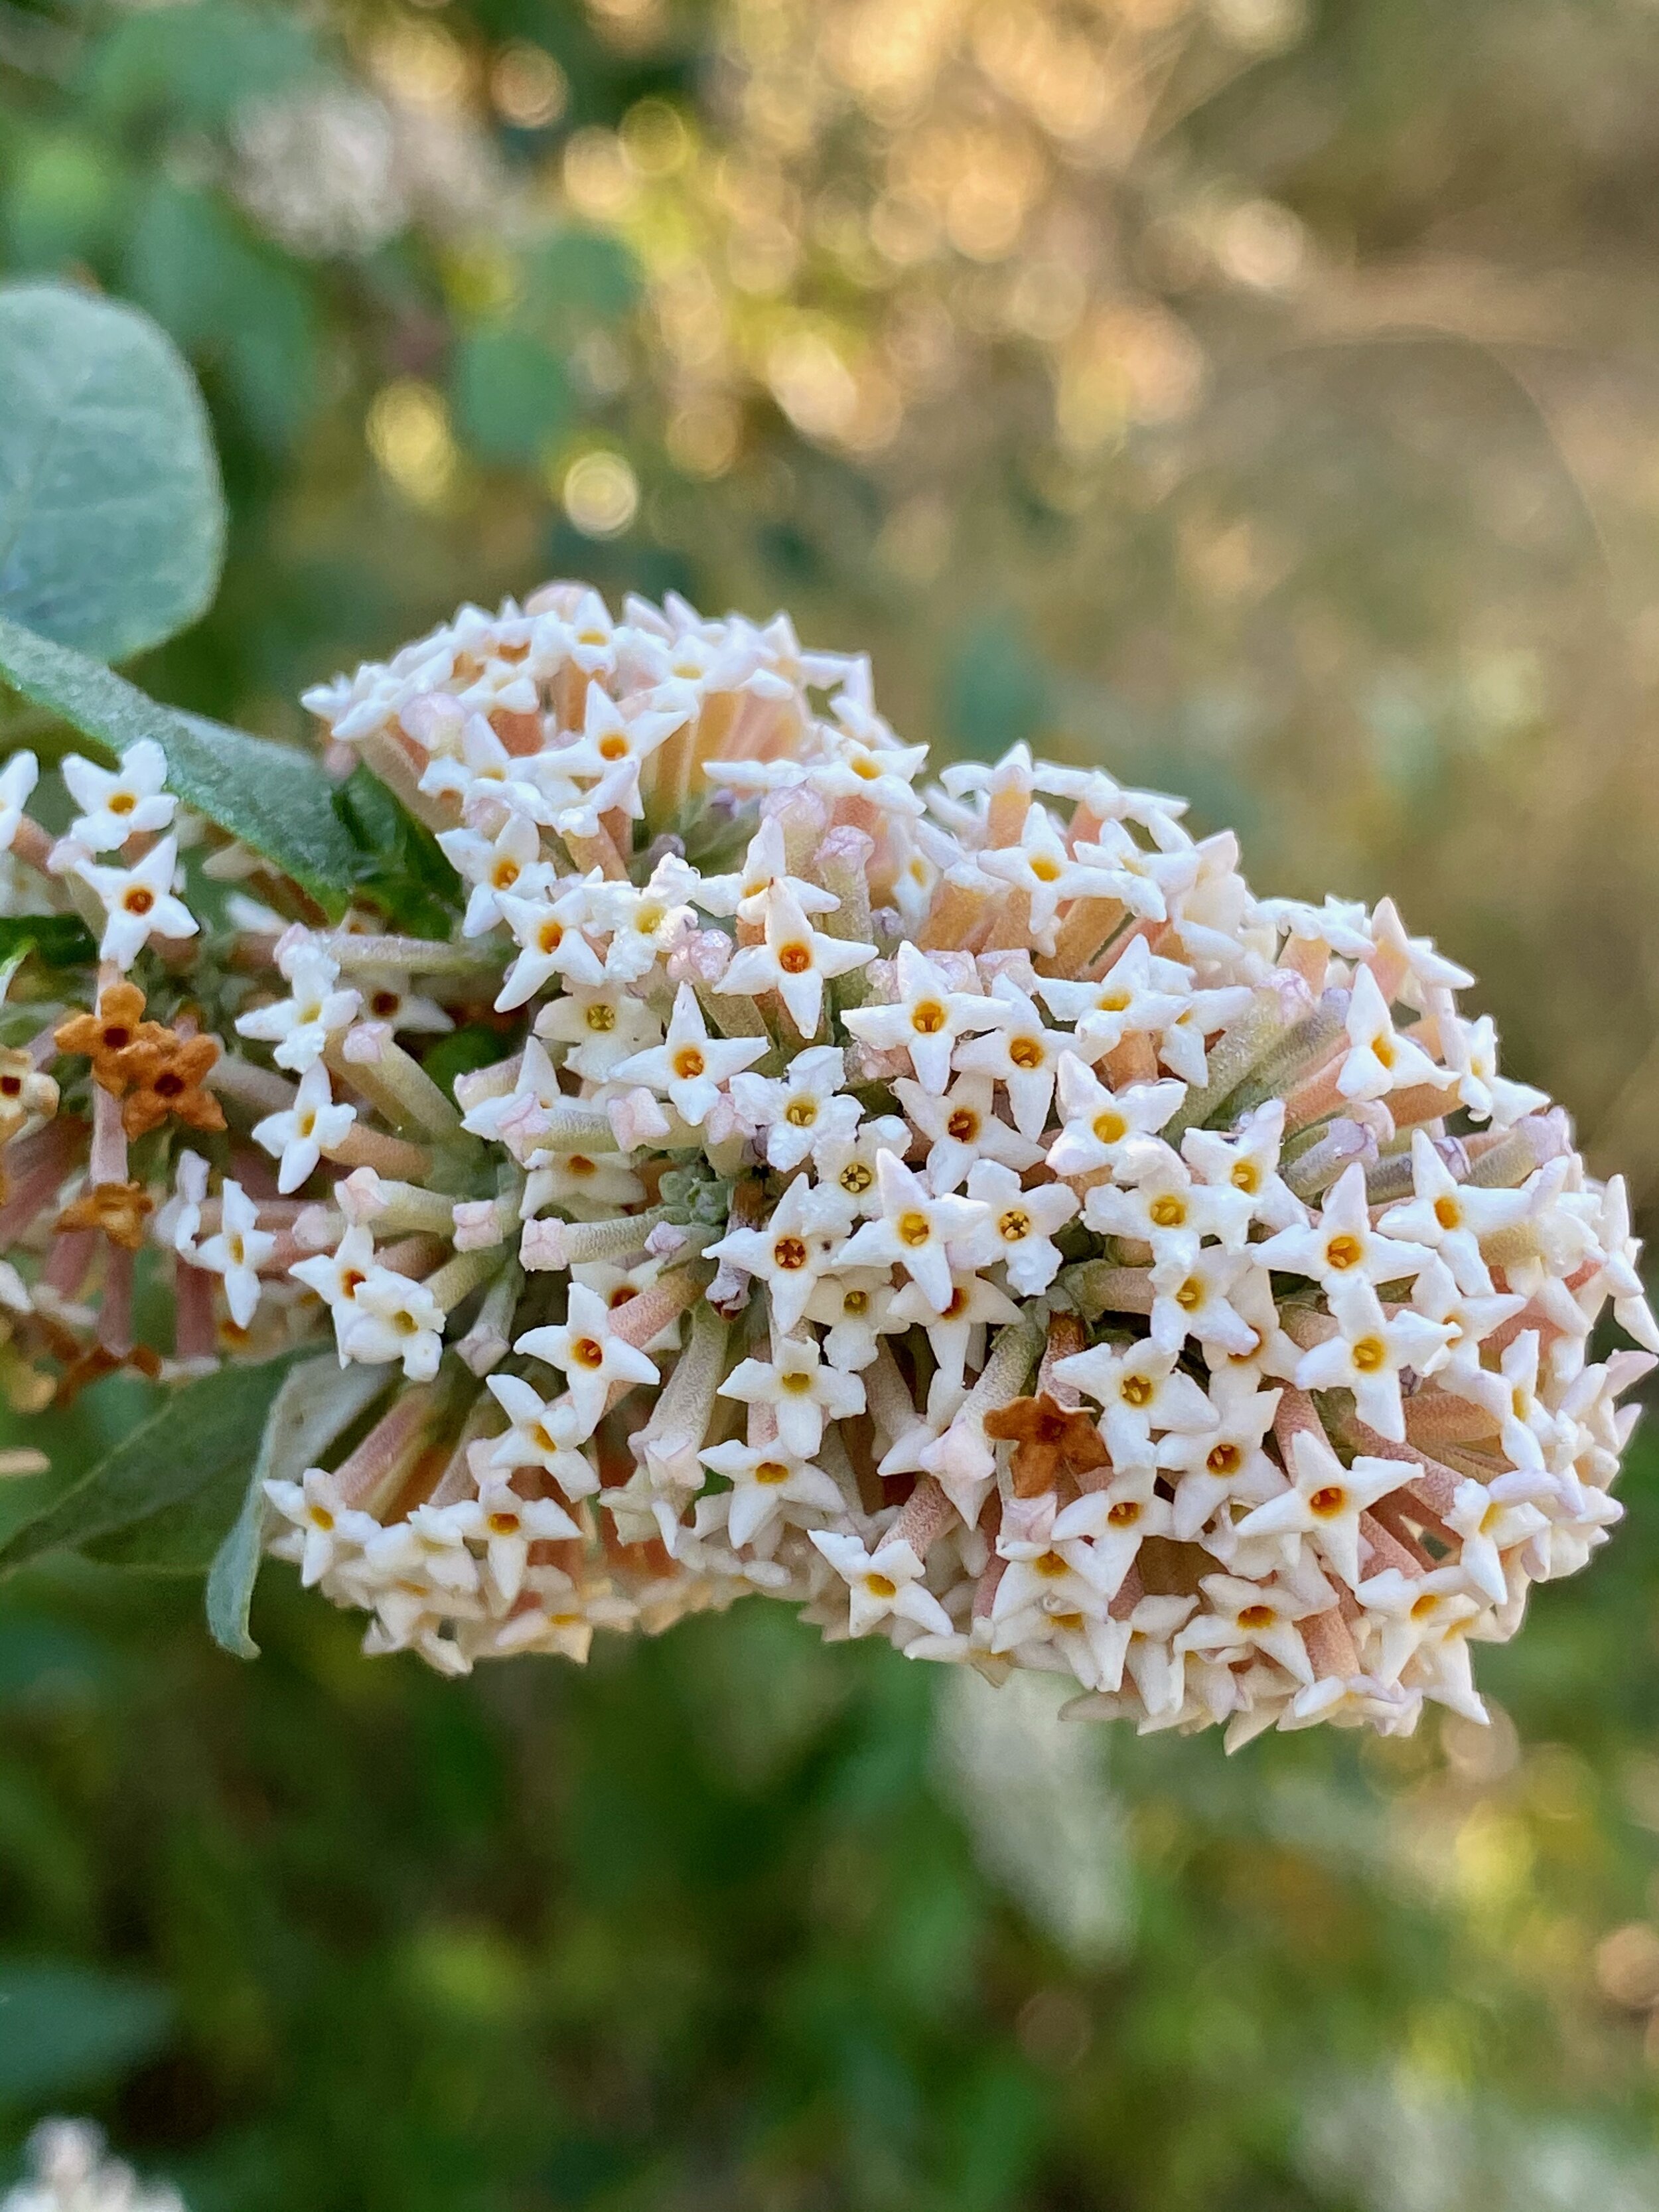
581	275
272	797
512	395
318	1402
65	2027
112	517
198	65
199	1430
61	941
400	864
230	299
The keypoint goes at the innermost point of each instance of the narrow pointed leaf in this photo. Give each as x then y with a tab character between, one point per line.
273	799
199	1430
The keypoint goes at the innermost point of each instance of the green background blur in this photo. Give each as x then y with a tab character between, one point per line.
1260	398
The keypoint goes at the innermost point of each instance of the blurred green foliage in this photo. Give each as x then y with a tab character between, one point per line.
1279	427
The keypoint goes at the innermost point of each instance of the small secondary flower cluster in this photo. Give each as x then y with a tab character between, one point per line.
964	1211
68	2173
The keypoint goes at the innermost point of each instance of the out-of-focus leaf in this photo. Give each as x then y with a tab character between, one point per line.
197	63
70	2027
997	690
317	1402
112	519
199	1430
232	301
512	395
64	201
272	797
581	272
400	864
60	940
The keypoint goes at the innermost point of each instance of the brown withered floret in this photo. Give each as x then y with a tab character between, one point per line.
25	1094
1047	1437
103	1037
165	1075
119	1209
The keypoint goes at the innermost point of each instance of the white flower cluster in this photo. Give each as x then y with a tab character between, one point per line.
965	1212
68	2173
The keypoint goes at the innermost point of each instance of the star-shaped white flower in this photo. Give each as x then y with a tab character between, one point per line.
962	1127
765	865
1102	1128
1193	1294
1141	1392
765	1479
1137	994
1451	1217
238	1252
691	1068
915	1229
849	1164
299	1135
1242	1171
1493	1519
510	862
1182	1044
550	927
17	779
800	1110
330	1530
611	742
1324	1503
1340	1246
299	1026
801	1391
1412	1612
1243	1617
1471	1322
926	1019
1379	1059
1041	866
392	1317
1367	1352
593	1358
120	803
1620	1267
646	924
540	1435
507	1525
882	1583
1020	1054
1530	1434
854	1309
974	1304
1227	1462
139	902
601	1024
1020	1228
794	959
1471	1050
1117	1521
790	1252
1163	1207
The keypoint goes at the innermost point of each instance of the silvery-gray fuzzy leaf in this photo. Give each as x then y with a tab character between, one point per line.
111	517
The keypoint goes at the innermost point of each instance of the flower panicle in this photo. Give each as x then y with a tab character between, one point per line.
962	1210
